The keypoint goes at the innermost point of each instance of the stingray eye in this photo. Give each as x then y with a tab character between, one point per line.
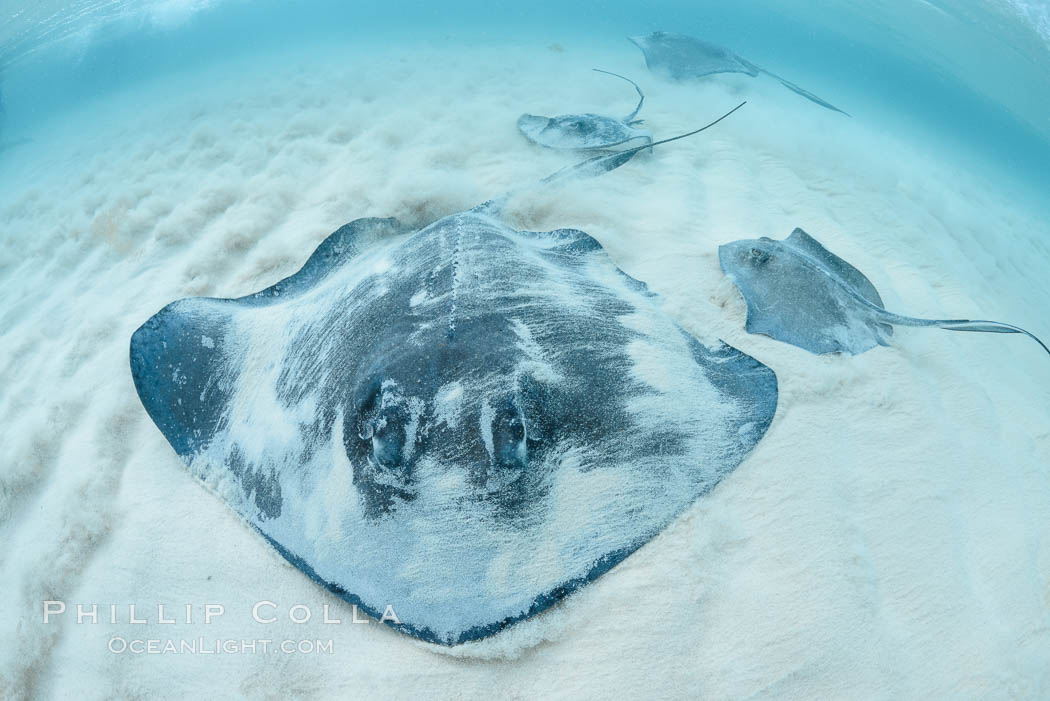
508	433
389	439
388	429
506	426
513	428
758	256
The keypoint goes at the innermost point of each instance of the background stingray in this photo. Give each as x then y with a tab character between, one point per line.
465	422
681	57
587	132
799	292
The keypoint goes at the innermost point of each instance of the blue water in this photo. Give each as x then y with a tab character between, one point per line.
891	533
975	73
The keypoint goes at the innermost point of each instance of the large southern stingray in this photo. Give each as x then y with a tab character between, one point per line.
587	132
801	293
682	57
465	423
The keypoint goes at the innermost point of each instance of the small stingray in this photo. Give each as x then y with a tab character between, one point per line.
465	423
801	293
682	57
587	132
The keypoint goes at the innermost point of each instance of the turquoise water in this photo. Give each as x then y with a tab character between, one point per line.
888	532
973	72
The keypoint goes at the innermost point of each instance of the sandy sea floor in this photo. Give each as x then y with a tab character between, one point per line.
886	539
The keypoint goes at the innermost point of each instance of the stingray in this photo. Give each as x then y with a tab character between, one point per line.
682	57
801	293
452	428
587	132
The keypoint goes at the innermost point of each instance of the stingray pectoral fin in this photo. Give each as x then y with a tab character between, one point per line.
807	245
180	360
594	166
343	244
182	371
804	93
642	42
755	321
530	125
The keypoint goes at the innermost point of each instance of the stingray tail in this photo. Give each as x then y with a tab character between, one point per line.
974	325
804	93
988	327
604	163
592	167
641	95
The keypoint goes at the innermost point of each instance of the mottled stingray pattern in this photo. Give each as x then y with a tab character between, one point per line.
587	132
465	422
801	293
682	57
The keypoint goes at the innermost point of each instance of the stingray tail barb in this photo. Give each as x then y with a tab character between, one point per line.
803	92
641	95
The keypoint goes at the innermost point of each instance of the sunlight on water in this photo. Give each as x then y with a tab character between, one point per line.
978	69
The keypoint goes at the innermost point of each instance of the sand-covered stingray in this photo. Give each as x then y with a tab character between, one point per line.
682	57
463	423
587	132
801	293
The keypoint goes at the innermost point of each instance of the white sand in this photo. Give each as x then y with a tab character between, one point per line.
888	537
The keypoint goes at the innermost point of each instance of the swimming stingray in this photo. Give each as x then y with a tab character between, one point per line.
457	426
587	132
801	293
682	57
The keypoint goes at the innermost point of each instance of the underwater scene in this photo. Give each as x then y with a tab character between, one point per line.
478	350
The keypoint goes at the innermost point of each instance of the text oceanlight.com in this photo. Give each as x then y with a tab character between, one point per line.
201	646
